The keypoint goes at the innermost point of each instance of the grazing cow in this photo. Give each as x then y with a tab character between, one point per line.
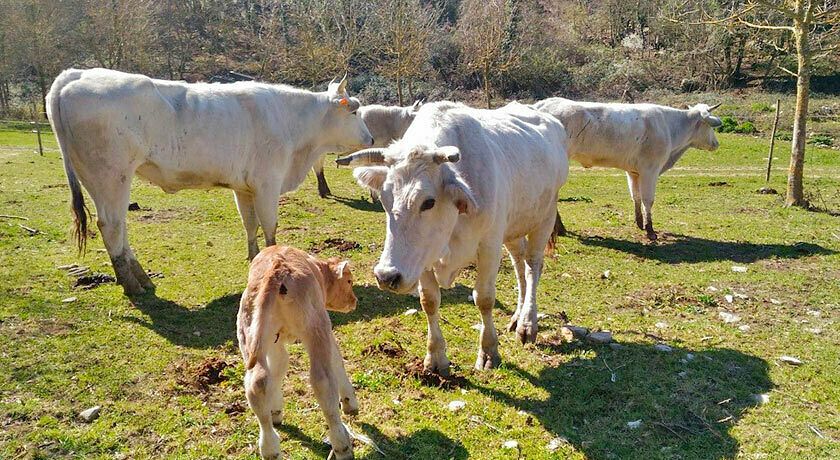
385	123
645	140
461	183
287	298
255	138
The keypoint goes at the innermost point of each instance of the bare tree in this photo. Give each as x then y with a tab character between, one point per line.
486	32
119	33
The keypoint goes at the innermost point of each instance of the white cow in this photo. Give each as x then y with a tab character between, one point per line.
385	123
461	183
255	138
645	140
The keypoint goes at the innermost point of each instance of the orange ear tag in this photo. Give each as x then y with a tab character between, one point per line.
343	101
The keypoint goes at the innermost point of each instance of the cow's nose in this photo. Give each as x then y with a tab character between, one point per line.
389	279
372	141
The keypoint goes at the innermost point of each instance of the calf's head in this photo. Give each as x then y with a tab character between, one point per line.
340	296
342	128
703	137
422	196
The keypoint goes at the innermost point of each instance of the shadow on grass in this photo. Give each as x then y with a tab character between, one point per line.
215	322
358	203
682	415
688	249
423	443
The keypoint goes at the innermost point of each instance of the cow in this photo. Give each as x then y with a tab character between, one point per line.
461	183
385	123
287	298
644	140
257	139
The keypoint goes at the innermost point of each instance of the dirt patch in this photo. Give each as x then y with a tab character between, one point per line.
719	184
49	186
414	369
340	244
163	215
391	350
203	375
93	280
235	408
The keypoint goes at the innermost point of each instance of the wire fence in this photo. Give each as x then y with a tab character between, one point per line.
35	126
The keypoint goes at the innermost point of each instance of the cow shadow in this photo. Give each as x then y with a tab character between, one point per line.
360	204
686	402
423	443
207	327
674	249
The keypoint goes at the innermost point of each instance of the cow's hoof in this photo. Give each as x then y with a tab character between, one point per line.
133	288
514	322
439	367
527	333
652	236
347	454
350	406
488	360
277	417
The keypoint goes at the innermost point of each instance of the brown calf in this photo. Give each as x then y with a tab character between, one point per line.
287	298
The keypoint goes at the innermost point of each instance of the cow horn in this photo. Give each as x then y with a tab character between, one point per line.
364	157
342	85
715	106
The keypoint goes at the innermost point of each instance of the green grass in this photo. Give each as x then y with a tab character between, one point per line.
136	357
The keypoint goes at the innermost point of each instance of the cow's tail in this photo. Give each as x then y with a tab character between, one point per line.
270	289
62	134
559	229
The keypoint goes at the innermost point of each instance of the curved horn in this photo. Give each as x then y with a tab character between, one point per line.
364	157
342	85
715	106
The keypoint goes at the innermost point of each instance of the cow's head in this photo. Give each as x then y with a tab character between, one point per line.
422	196
703	137
340	296
342	127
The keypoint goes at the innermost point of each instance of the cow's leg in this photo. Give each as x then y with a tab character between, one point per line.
259	387
526	328
324	382
245	205
346	393
266	205
516	249
278	365
436	360
318	169
484	296
633	185
647	188
111	200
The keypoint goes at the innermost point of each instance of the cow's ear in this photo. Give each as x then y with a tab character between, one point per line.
371	177
459	192
713	121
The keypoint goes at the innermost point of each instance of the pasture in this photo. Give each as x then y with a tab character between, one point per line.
166	370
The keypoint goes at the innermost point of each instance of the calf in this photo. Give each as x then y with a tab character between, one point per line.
385	123
644	140
287	298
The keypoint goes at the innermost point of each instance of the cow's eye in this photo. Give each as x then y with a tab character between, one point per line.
428	204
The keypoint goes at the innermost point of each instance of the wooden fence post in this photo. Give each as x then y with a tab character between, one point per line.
773	140
37	129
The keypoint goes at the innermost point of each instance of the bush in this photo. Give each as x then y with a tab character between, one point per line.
762	107
821	140
729	125
746	128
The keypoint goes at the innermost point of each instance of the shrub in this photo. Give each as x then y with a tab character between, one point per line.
746	128
821	140
729	125
762	107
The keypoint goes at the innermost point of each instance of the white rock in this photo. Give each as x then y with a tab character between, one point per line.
744	327
556	443
739	269
477	326
729	298
728	317
790	360
775	301
456	405
600	337
663	348
815	313
396	402
470	298
541	315
605	275
634	424
814	330
574	332
511	444
741	296
410	311
523	413
91	414
682	374
712	289
68	300
565	275
661	325
761	398
197	333
616	346
689	356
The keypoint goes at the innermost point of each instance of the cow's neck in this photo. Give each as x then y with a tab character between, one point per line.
305	113
681	133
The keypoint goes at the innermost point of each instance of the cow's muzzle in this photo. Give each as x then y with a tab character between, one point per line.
388	279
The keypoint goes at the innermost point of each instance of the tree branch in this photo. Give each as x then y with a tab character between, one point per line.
788	71
764	26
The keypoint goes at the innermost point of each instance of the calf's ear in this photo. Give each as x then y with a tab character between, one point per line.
342	269
371	177
459	192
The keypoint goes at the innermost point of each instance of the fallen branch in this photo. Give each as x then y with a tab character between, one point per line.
32	231
9	216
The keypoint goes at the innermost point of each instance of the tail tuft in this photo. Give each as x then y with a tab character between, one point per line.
559	229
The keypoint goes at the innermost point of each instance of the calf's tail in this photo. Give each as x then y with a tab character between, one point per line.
271	288
62	134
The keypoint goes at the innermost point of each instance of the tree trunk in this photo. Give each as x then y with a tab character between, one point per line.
487	85
399	91
795	193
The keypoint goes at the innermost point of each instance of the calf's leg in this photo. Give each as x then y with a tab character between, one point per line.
259	388
436	360
245	205
346	393
325	385
484	296
278	365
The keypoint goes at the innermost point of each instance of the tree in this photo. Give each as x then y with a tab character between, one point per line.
119	33
487	34
813	26
405	28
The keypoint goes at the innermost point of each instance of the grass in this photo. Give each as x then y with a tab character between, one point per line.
138	358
